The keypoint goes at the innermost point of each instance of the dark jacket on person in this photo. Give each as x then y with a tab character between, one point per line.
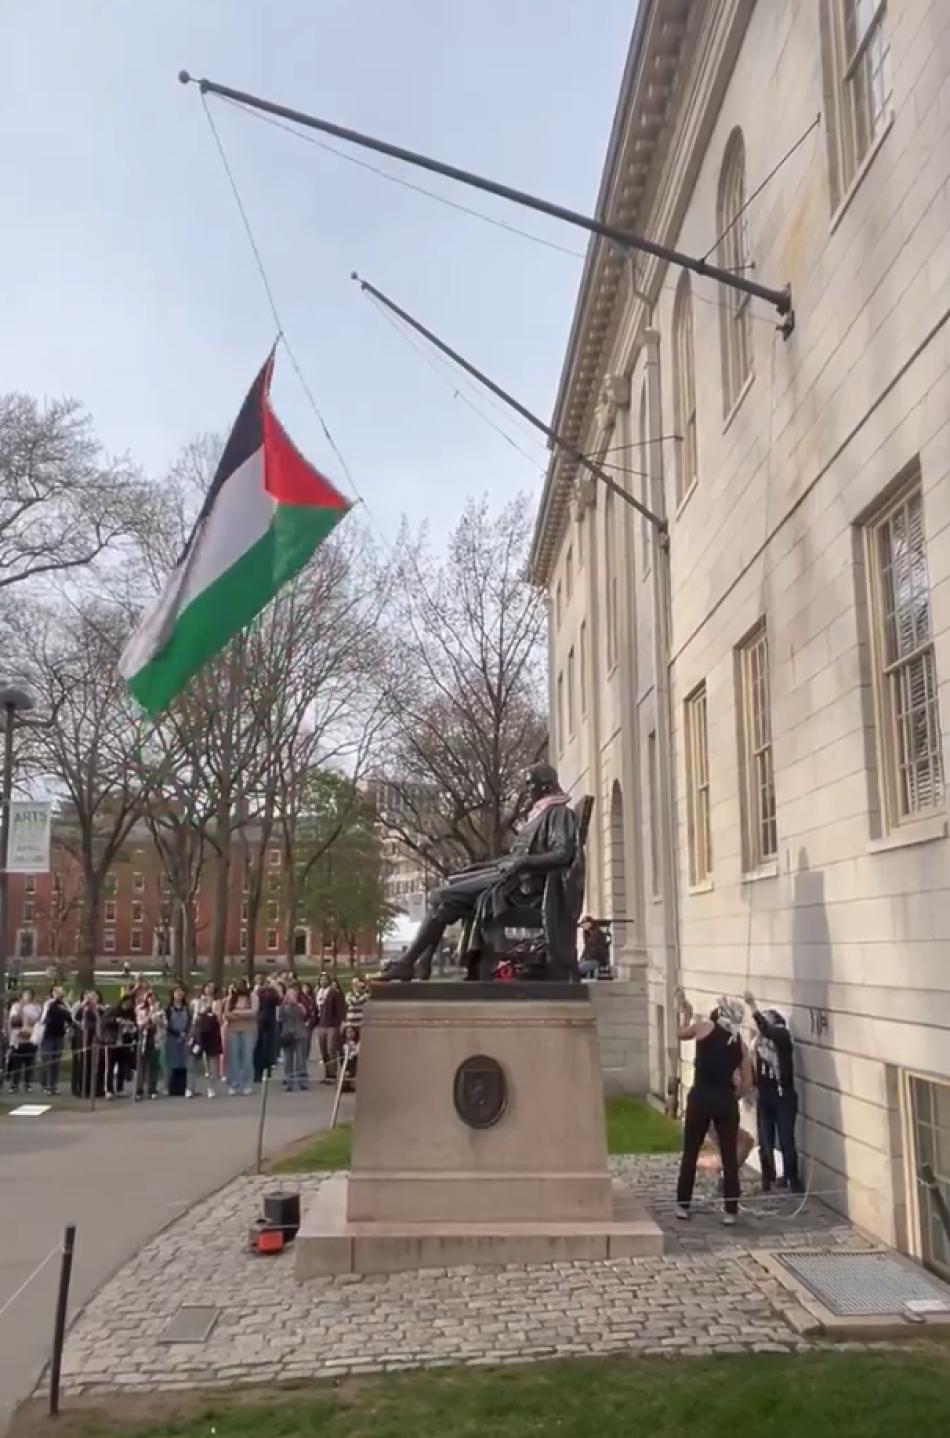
58	1020
332	1009
774	1055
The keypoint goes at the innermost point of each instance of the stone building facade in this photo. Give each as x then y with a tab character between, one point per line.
759	702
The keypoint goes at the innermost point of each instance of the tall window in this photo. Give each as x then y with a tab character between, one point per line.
653	779
735	254
569	572
859	54
697	787
760	829
135	941
557	605
643	464
582	658
906	670
610	577
109	911
571	691
684	389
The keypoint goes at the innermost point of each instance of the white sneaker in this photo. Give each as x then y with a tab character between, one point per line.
681	1211
247	1091
729	1220
210	1091
231	1091
188	1093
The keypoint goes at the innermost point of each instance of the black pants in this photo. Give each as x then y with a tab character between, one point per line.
88	1074
266	1049
147	1071
775	1116
329	1042
177	1082
719	1108
21	1061
454	901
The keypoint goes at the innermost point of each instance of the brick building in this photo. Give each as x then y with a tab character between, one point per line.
136	919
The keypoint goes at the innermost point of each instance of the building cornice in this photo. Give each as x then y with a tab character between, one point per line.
681	56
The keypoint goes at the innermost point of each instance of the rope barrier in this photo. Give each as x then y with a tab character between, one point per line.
26	1283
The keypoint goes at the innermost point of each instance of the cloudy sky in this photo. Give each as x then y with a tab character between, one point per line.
127	279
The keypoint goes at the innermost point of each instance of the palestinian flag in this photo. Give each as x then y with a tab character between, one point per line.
264	516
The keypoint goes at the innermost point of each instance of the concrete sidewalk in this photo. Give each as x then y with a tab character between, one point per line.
120	1174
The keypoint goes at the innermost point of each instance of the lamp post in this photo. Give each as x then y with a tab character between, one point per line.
13	701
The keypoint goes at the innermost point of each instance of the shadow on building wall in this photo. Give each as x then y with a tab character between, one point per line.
820	1124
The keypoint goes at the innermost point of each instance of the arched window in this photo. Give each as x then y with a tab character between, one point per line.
684	390
735	255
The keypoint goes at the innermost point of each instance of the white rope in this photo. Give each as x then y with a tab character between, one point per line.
26	1283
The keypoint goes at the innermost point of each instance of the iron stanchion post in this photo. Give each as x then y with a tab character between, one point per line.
62	1308
265	1085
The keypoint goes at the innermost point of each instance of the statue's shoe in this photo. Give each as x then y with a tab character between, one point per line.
396	972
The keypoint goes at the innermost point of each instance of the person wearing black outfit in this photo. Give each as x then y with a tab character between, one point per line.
56	1022
595	956
88	1072
777	1099
267	1042
722	1070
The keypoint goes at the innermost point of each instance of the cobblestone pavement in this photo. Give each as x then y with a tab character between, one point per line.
706	1295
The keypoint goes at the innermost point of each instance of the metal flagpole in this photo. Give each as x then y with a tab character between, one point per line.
780	299
556	439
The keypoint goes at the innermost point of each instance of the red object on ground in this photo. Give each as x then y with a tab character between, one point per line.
266	1238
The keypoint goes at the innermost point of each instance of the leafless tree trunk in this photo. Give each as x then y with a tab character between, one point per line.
466	688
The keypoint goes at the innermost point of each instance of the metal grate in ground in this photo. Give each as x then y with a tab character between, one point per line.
874	1284
191	1324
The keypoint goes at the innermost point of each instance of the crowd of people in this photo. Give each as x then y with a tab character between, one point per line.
148	1045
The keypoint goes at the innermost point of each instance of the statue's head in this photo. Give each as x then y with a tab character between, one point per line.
541	779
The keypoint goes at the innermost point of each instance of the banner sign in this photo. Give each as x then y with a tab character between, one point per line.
28	850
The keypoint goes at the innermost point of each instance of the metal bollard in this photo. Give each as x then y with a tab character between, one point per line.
265	1085
62	1306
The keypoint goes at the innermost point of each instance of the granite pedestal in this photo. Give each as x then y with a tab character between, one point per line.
478	1138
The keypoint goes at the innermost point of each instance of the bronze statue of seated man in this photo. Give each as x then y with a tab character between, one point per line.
546	847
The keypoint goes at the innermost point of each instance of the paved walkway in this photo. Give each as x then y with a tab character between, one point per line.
707	1295
121	1175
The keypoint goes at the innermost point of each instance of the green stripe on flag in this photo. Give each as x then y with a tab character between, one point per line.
229	605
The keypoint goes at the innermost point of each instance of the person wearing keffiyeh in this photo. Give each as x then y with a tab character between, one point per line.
777	1107
721	1072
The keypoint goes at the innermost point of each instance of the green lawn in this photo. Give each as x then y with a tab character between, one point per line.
632	1127
635	1127
814	1395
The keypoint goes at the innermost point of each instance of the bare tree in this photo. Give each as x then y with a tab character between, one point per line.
465	687
89	744
63	502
